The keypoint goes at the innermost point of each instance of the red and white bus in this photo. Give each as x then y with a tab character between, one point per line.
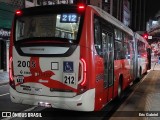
143	56
74	57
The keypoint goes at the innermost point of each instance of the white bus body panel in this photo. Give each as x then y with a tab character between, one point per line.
36	87
87	100
45	73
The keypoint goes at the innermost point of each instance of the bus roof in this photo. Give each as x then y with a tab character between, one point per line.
112	20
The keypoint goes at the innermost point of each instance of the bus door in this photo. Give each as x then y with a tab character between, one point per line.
149	58
108	53
135	62
132	58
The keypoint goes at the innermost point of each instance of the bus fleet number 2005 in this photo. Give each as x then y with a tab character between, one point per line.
26	64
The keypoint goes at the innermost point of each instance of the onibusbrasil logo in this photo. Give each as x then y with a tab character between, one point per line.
14	114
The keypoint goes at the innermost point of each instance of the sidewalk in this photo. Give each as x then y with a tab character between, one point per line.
4	78
143	103
155	66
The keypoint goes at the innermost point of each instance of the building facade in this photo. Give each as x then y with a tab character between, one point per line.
7	8
130	12
138	13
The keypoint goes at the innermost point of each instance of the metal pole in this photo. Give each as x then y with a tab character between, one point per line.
144	15
111	7
139	16
117	9
135	16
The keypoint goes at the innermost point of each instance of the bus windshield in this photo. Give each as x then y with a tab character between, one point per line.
65	25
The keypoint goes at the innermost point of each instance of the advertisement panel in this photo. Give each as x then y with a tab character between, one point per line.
4	34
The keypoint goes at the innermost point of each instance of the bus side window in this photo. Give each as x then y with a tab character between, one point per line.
141	48
97	37
118	50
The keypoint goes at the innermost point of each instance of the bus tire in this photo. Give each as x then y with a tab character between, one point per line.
140	72
120	90
139	75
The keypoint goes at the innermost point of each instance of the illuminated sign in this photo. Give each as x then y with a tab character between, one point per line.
69	18
63	1
4	33
149	37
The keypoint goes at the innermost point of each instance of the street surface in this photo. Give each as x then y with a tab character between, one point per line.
5	102
7	106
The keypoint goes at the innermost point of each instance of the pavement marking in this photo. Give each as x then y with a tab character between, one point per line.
9	118
3	85
4	94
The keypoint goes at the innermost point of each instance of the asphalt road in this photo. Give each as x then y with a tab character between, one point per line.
5	103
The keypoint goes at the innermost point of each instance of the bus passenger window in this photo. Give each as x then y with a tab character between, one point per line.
118	50
62	34
126	50
69	36
57	33
36	26
32	28
97	37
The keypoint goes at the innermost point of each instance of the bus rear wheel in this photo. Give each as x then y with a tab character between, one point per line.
120	90
140	72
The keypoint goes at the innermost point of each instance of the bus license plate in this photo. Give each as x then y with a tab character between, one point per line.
69	78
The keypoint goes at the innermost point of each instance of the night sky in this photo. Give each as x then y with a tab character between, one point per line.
152	7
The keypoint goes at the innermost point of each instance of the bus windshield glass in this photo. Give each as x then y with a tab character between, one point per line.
65	25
